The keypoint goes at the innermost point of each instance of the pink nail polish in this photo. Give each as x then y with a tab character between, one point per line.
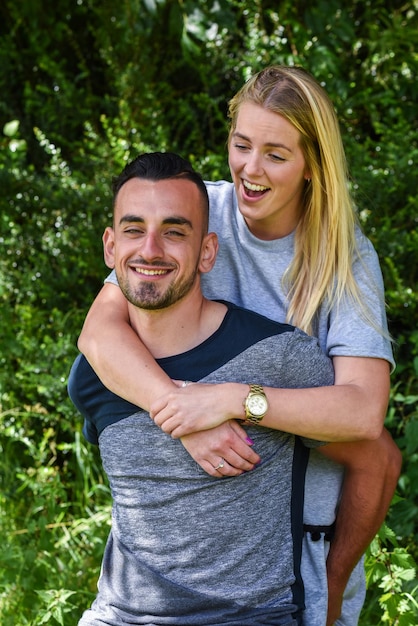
250	441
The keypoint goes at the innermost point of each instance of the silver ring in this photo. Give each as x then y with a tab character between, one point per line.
185	383
221	464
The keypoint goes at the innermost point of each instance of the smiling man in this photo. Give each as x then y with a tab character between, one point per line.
142	275
186	547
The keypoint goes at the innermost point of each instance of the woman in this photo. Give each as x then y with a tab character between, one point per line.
290	249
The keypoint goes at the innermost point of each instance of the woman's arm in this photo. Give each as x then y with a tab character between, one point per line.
116	354
353	409
125	366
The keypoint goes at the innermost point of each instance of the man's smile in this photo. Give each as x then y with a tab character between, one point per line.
151	272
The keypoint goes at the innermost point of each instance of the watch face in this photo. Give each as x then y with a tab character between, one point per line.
257	405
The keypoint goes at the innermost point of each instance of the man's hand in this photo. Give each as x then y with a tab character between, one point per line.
227	444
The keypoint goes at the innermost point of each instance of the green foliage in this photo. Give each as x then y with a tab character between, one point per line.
392	571
85	87
57	519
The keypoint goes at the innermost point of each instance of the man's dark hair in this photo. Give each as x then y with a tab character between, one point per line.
161	166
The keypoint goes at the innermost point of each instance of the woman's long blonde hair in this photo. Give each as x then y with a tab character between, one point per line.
321	270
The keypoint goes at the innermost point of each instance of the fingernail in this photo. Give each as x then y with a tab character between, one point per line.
250	441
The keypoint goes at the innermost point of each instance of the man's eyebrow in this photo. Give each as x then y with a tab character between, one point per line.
180	221
174	219
131	219
270	144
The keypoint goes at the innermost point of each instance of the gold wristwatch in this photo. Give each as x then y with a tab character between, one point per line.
255	404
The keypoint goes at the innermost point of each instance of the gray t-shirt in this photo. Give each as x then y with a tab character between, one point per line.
187	548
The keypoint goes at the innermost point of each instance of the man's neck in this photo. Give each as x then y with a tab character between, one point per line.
178	328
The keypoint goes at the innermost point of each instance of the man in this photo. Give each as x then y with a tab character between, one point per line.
186	547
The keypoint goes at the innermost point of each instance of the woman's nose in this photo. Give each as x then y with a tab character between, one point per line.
253	164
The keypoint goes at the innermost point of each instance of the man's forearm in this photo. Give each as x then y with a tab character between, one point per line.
371	473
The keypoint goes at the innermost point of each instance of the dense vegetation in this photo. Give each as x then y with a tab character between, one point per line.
87	85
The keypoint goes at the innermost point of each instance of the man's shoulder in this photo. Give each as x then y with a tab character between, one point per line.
257	327
249	321
97	404
243	329
271	353
82	381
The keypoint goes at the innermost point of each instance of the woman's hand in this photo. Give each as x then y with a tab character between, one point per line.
222	451
196	407
203	416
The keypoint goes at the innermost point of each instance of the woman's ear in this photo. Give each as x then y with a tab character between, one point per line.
109	247
208	252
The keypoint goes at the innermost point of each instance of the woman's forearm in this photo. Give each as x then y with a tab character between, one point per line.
338	413
353	409
114	350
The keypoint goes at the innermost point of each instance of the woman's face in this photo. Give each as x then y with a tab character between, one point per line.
268	170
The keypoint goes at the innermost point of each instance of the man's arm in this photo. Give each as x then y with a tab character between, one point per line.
372	470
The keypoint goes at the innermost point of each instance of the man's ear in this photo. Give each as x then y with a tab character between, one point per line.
109	247
208	252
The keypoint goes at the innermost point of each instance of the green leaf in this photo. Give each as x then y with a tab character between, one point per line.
411	435
11	128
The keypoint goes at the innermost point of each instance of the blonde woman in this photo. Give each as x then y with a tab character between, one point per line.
290	249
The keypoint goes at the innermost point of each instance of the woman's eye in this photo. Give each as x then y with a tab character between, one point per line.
276	157
240	146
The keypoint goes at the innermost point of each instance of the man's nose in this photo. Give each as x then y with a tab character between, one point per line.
151	246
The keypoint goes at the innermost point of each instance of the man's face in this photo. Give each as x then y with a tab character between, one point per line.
155	245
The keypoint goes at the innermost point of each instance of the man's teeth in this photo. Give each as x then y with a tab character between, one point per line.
150	272
252	187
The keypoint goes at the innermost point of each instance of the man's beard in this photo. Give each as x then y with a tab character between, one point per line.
148	296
